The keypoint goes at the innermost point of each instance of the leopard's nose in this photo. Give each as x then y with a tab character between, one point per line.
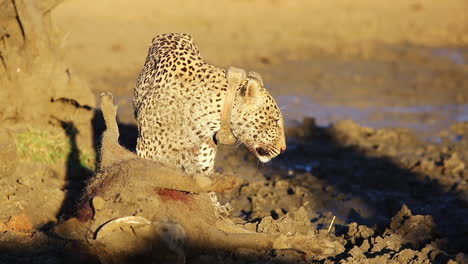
283	149
281	145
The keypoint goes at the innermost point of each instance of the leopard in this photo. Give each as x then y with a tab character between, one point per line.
178	100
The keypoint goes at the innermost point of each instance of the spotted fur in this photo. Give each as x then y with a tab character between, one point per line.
178	100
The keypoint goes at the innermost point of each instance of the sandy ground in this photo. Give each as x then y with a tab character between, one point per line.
394	178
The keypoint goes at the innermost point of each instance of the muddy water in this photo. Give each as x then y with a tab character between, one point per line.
425	120
422	89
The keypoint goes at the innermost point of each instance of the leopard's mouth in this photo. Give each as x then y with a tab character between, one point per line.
262	154
265	154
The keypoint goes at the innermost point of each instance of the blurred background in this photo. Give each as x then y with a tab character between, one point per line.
382	63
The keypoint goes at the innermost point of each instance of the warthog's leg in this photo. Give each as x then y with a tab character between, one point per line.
217	239
111	151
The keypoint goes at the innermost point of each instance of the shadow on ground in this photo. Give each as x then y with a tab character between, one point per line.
77	175
384	170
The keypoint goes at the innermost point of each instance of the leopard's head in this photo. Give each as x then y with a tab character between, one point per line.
257	120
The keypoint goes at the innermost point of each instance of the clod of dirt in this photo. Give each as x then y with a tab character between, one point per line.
454	164
415	230
271	199
357	232
348	132
405	230
26	190
294	222
19	224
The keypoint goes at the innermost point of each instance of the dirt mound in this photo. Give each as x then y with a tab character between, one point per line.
45	114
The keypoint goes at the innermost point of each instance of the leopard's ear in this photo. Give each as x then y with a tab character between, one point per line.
253	86
251	89
257	76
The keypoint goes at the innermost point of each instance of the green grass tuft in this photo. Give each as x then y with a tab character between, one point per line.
42	146
50	148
